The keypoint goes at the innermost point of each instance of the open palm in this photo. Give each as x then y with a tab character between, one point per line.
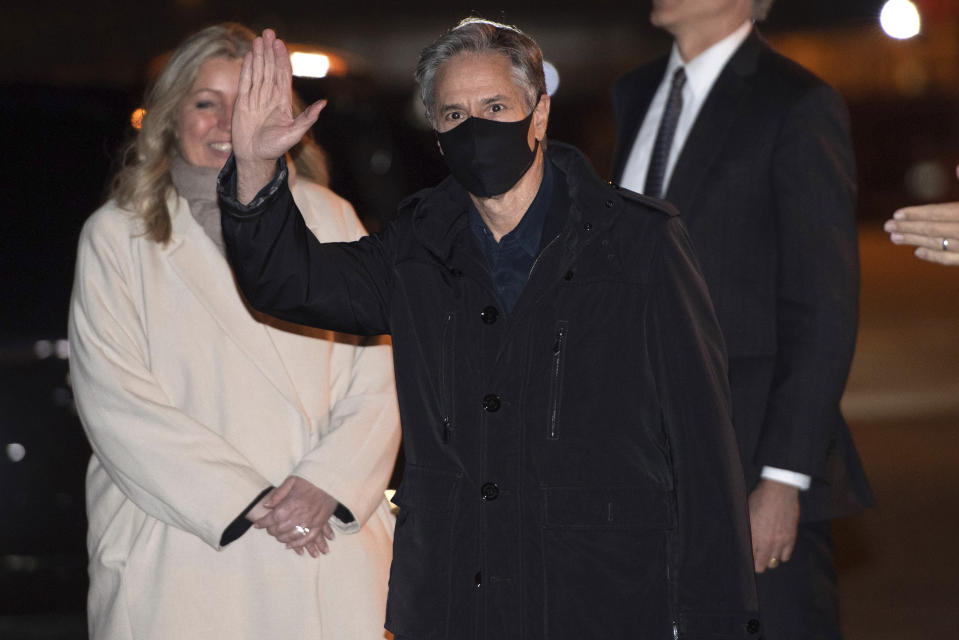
263	124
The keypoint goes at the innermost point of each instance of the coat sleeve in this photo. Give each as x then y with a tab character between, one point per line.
354	459
818	283
284	271
169	465
711	568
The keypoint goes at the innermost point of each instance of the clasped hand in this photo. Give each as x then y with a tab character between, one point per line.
297	513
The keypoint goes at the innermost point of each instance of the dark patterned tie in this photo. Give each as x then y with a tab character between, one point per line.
664	137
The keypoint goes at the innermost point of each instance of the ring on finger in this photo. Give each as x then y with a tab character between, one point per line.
773	561
302	530
945	244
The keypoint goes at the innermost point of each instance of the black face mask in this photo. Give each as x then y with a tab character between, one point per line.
488	157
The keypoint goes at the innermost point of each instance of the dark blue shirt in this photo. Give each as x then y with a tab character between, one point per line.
511	259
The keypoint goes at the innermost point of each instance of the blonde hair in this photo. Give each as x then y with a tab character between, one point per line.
143	184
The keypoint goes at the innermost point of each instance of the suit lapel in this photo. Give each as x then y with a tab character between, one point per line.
631	99
707	138
198	263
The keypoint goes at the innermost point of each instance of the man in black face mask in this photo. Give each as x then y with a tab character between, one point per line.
571	469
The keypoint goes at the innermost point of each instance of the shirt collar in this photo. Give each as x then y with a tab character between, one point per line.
702	71
528	233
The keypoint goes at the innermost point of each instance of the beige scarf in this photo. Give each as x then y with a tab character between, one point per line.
198	186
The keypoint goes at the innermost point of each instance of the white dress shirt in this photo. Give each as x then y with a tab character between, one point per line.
701	73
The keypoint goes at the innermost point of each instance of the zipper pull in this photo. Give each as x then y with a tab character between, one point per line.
675	630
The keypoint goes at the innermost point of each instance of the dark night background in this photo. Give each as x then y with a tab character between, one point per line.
71	74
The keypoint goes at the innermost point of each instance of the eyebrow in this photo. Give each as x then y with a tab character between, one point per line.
485	101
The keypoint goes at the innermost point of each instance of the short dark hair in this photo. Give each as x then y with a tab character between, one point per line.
475	35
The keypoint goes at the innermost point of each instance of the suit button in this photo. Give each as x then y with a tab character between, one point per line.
489	315
752	626
489	491
491	403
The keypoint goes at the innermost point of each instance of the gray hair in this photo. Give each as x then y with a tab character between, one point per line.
761	9
475	35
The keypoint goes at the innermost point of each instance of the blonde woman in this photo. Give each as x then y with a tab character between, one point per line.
205	418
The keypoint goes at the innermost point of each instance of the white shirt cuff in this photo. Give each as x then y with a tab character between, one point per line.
799	480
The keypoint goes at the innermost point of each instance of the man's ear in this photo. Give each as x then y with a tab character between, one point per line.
541	117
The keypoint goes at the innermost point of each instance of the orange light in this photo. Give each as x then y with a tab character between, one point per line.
136	118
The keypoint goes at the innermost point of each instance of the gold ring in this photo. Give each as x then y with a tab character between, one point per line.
773	561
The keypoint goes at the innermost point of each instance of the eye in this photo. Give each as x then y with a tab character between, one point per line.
496	108
204	104
454	115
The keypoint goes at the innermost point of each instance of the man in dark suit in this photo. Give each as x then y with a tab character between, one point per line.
755	152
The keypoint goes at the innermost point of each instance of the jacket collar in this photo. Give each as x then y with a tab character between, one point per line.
204	270
439	214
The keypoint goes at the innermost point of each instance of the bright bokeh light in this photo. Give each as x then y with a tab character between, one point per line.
136	118
16	452
900	19
310	65
552	77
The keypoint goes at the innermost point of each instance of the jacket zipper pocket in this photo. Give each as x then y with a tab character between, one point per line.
556	378
447	376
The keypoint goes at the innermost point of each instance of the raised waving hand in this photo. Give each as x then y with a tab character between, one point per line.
263	124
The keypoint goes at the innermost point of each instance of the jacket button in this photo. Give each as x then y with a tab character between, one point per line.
489	315
752	626
568	276
609	203
491	403
588	227
490	491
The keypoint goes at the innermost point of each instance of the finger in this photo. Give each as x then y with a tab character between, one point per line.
280	493
313	550
256	86
924	228
916	240
269	61
943	211
787	553
267	521
938	256
303	122
328	532
297	539
284	77
246	76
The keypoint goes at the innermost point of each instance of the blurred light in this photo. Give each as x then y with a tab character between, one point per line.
900	19
16	451
310	65
552	77
928	181
136	118
63	349
381	161
43	349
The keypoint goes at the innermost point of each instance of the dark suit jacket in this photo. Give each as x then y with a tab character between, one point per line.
766	186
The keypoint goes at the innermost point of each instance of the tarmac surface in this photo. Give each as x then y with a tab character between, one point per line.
898	563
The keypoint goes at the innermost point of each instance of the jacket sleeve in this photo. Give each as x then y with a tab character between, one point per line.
711	568
354	459
172	467
818	283
284	271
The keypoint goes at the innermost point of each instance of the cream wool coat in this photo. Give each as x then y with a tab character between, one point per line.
192	408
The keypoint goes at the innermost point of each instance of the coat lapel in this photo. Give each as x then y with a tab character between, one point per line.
707	138
206	273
